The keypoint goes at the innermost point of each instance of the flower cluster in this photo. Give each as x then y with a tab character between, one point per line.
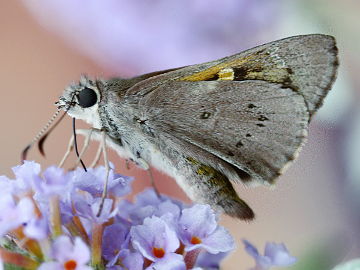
51	220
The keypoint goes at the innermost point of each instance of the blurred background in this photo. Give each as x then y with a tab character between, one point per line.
45	45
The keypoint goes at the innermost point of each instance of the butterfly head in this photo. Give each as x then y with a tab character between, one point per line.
82	101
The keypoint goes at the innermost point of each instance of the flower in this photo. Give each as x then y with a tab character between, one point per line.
274	255
36	228
111	248
13	214
92	181
210	261
54	182
170	261
68	255
55	218
148	204
27	176
198	229
125	259
154	239
88	208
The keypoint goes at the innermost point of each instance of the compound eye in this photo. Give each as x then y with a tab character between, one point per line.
87	98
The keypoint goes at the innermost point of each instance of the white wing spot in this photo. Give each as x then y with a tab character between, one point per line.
226	74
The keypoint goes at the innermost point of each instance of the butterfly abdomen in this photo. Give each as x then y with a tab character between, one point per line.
213	187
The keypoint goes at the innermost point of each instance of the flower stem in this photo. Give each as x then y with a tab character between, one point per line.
96	245
55	217
76	223
190	258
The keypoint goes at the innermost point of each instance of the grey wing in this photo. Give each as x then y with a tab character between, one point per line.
253	125
306	63
251	109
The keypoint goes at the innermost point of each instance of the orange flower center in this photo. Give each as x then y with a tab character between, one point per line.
158	252
70	265
195	240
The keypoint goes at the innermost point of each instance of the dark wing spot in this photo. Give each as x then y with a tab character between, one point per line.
138	120
251	106
248	135
260	125
239	144
240	73
231	154
289	70
263	118
215	77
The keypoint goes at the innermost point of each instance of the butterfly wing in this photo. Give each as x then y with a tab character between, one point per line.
253	125
251	109
243	117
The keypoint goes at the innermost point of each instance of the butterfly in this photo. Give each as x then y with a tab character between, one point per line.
239	119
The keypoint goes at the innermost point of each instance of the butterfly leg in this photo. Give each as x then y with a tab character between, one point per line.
97	157
85	132
86	145
107	170
145	166
68	151
152	181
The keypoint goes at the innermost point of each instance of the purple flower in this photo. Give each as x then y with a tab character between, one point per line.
92	181
154	239
55	182
198	229
68	255
87	207
13	214
144	36
169	261
27	176
127	260
148	197
274	255
142	234
6	185
148	204
210	261
37	228
115	238
26	170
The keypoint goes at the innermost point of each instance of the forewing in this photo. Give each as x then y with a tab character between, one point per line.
251	109
253	125
307	64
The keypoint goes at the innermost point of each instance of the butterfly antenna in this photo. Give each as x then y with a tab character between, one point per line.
41	136
46	130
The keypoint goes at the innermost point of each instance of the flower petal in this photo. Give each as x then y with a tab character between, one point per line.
171	261
81	251
218	241
154	233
